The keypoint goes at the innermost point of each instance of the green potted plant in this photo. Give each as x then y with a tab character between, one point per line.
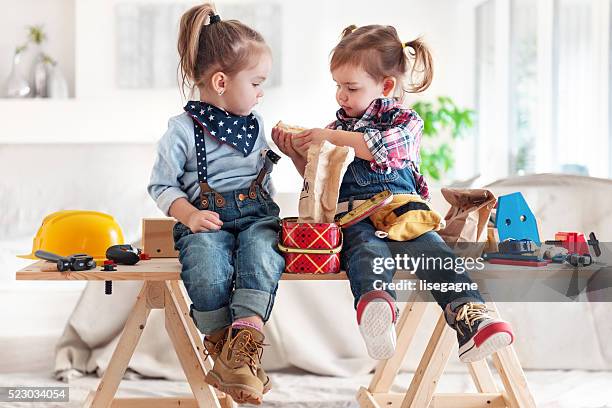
439	117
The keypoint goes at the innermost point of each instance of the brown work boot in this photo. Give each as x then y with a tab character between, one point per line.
235	369
214	344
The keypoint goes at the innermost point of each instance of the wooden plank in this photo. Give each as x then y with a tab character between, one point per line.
123	352
165	402
193	330
186	350
170	268
447	400
195	334
155	295
96	275
366	400
431	366
513	378
181	300
159	269
507	364
387	370
486	400
481	374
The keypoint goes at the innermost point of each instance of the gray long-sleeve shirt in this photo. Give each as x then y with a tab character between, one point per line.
174	173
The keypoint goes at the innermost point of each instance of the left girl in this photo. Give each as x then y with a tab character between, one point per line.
212	175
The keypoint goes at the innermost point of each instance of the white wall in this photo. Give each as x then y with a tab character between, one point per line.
103	113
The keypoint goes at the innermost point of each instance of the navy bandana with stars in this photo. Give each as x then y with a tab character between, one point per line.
239	132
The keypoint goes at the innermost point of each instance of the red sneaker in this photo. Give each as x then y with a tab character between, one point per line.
376	316
479	334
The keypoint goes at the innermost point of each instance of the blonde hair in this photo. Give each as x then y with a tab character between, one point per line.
380	52
205	48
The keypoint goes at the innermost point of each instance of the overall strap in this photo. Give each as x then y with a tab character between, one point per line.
202	171
270	160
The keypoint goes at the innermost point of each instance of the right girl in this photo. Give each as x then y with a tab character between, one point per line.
369	66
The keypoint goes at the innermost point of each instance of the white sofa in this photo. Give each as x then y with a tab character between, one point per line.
306	330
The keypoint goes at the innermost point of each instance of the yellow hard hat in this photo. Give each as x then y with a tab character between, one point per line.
77	232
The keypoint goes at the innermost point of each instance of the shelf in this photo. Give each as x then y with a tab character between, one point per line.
58	20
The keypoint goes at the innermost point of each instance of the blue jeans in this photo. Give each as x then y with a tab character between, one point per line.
360	182
361	247
232	273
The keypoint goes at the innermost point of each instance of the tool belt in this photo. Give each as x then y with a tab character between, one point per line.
405	218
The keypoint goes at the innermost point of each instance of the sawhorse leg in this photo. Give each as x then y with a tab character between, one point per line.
165	295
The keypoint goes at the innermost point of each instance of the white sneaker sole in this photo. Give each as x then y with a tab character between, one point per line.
378	330
470	353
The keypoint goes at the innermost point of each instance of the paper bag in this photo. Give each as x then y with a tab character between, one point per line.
325	168
466	220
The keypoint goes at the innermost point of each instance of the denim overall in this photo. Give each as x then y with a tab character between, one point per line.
233	272
362	246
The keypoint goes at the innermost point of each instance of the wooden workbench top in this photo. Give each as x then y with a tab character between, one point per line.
154	269
169	269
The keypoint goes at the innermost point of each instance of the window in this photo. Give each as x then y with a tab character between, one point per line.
546	91
485	73
523	86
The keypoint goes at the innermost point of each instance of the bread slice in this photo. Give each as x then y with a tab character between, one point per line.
293	130
289	128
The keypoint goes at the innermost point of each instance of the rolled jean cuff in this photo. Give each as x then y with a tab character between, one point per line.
251	302
211	321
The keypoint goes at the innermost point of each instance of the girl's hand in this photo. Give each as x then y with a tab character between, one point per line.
309	137
204	220
282	139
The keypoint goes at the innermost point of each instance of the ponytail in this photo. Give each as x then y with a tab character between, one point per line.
191	25
422	64
348	30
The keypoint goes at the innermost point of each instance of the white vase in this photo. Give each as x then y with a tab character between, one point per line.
57	87
16	85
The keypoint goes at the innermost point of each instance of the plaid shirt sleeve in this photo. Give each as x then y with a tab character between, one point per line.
398	145
332	125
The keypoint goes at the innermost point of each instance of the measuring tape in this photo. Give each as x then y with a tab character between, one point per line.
366	209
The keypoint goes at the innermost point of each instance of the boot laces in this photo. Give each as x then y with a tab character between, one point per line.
211	348
470	313
247	349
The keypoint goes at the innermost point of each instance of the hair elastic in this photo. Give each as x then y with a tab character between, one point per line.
214	18
404	45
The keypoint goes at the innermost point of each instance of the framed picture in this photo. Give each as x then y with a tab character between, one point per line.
147	33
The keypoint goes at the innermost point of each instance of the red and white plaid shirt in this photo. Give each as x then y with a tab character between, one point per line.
393	135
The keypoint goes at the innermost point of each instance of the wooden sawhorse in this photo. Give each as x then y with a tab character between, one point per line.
161	290
420	393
